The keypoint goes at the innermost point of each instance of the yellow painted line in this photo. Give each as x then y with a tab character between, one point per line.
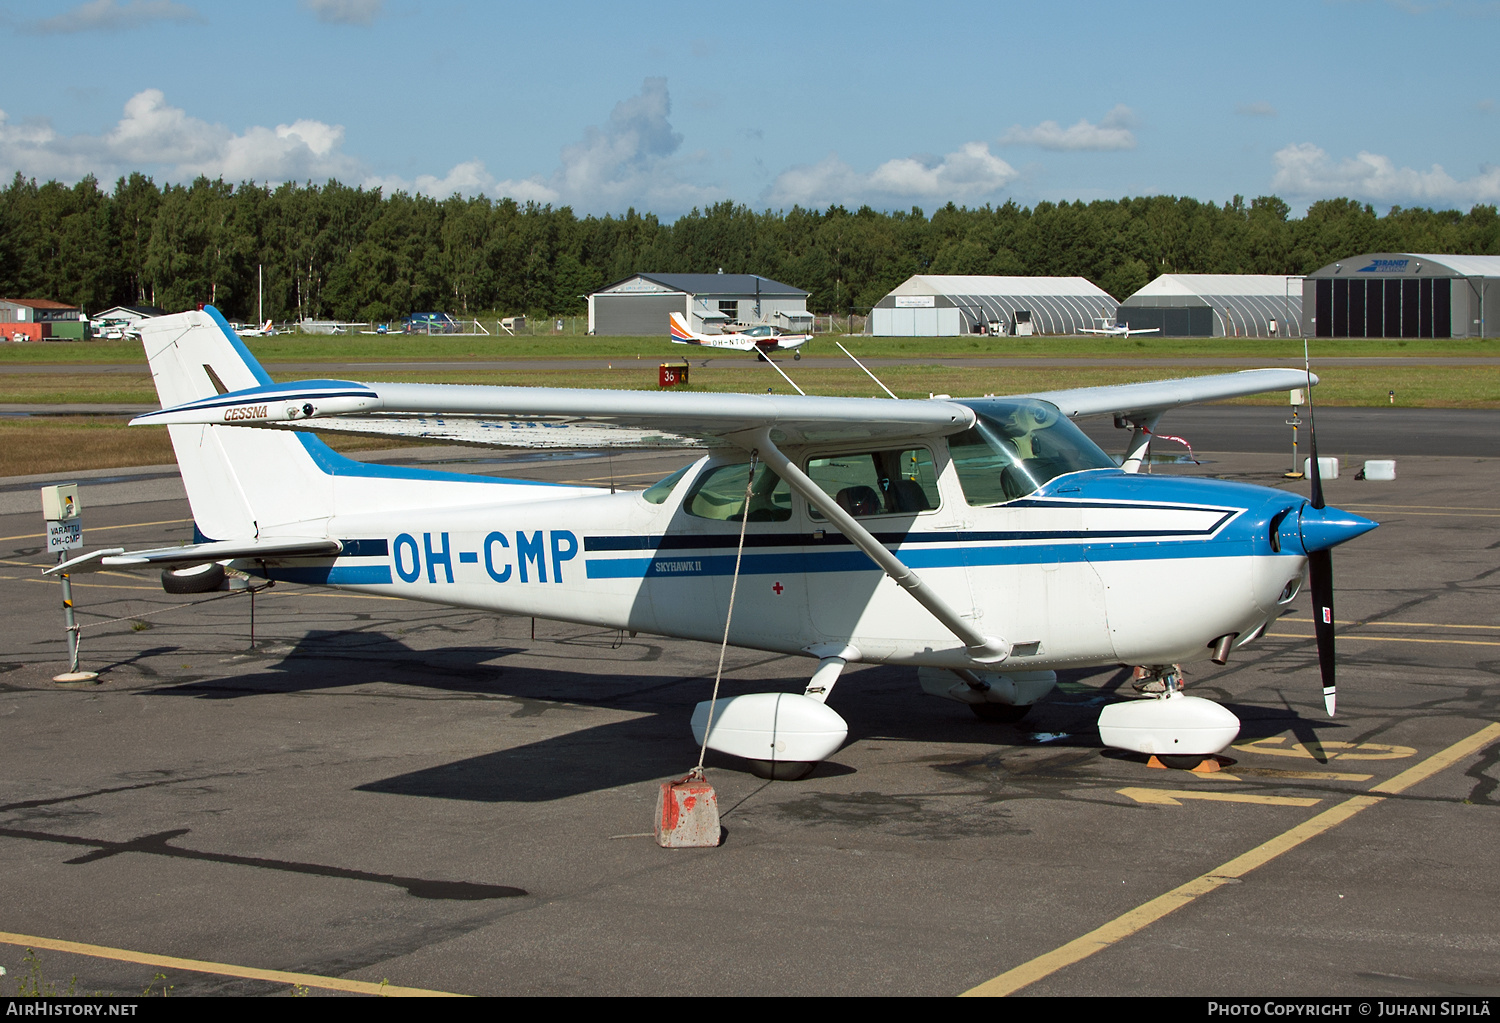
1276	772
1325	751
1438	761
54	581
361	987
1174	797
1391	639
98	529
1144	915
1397	625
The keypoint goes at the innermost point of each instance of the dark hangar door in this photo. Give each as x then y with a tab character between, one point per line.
1442	308
636	315
1375	308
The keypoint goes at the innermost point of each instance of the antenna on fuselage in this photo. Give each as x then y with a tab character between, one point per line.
861	365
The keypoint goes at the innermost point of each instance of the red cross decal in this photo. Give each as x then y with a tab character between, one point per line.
778	588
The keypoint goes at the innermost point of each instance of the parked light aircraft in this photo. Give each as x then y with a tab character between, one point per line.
264	330
986	542
1109	328
761	340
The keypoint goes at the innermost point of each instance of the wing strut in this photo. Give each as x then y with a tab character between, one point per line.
788	379
861	365
981	648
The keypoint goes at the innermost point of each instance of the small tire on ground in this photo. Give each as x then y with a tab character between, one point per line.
797	356
1181	761
197	579
782	770
1002	712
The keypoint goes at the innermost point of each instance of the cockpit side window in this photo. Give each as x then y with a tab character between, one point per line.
878	483
720	494
1017	446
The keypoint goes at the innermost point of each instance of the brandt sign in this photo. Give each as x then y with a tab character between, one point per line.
1385	266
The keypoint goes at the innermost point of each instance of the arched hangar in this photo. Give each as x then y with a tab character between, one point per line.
1216	305
1404	294
938	305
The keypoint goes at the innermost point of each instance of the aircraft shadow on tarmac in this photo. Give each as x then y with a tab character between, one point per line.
880	703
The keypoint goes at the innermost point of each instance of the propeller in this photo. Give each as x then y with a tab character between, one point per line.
1320	562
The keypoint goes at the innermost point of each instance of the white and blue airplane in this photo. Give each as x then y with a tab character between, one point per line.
986	542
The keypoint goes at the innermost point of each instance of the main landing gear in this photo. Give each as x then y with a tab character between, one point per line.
782	736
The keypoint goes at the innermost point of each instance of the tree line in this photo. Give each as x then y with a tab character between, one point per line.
332	251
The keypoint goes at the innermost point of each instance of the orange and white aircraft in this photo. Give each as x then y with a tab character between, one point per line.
761	340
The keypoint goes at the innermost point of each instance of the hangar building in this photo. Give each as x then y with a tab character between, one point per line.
945	306
1404	294
1217	305
40	318
640	304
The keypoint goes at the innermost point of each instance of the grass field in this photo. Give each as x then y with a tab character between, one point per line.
66	443
70	443
400	348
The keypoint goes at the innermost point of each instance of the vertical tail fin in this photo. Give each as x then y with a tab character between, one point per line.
239	481
679	330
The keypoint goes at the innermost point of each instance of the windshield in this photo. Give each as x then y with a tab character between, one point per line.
1015	447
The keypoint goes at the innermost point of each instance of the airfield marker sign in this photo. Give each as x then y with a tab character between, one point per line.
64	514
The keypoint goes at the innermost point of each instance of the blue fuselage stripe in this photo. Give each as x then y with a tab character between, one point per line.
818	562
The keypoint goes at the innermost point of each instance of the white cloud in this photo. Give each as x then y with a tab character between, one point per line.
1258	109
345	12
1306	170
469	178
1112	132
970	173
158	138
630	160
113	16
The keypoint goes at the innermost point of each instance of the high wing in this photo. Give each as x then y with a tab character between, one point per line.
533	417
557	417
1157	396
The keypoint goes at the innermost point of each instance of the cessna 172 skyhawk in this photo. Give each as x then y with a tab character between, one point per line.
761	340
986	542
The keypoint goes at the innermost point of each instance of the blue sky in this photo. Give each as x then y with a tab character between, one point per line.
667	106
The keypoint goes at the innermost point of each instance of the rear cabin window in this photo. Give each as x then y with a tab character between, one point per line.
879	483
720	494
658	492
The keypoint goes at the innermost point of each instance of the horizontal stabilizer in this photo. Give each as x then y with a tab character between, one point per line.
200	553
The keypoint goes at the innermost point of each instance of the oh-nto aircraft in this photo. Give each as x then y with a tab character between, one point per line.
761	340
986	542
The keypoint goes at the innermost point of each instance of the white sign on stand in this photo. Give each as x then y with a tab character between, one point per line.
66	535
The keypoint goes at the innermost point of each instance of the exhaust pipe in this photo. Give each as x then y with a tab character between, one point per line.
1221	647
